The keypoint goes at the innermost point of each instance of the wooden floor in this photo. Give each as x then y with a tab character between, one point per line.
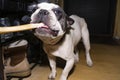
106	60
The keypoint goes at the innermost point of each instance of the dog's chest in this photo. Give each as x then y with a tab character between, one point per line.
63	50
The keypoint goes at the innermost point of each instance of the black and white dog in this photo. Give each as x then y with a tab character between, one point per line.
60	35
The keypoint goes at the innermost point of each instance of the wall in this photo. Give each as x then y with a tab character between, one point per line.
117	22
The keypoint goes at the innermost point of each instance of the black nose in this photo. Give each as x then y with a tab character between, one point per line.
43	12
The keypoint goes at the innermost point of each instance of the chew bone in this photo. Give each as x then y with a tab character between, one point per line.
4	30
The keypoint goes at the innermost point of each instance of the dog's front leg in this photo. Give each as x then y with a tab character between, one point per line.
52	61
68	67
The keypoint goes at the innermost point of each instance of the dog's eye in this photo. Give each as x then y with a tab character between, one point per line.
57	11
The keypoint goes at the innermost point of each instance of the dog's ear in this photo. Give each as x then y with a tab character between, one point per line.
32	7
70	21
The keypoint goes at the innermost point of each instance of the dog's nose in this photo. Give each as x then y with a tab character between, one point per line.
44	12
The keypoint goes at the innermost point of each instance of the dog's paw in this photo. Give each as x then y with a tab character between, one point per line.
89	62
76	60
76	56
52	76
63	77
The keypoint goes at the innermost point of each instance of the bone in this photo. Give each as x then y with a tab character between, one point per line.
9	29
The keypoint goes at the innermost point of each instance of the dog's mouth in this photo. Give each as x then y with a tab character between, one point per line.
45	29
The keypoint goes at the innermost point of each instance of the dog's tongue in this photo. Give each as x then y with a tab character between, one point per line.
45	26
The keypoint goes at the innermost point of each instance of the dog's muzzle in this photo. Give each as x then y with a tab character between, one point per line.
46	30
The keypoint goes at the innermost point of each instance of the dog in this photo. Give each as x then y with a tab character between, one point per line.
60	35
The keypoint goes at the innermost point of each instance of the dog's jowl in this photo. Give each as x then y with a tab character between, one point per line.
60	35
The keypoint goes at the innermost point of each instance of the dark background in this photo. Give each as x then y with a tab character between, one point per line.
99	14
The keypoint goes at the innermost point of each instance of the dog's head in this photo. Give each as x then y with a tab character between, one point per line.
55	22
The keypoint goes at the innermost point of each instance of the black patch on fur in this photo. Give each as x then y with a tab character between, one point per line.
32	7
58	12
